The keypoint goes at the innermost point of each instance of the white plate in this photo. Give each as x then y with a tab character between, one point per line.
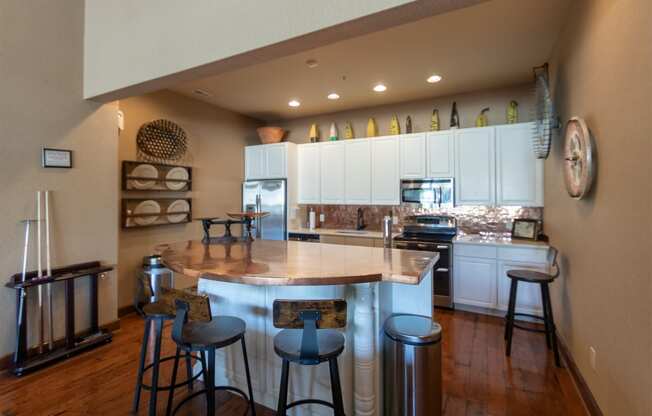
144	171
177	173
147	207
180	205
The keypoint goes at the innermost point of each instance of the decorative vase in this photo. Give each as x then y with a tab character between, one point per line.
455	117
512	112
332	136
348	130
434	121
394	127
314	133
372	128
408	124
482	120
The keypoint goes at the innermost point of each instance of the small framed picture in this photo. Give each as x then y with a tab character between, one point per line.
526	229
57	158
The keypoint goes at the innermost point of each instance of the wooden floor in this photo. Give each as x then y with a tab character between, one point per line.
478	378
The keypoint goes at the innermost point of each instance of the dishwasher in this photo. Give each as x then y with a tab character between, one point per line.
307	237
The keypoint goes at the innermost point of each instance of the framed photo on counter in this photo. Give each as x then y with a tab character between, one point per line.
525	229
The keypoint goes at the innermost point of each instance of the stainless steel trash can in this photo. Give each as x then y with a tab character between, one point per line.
159	275
412	366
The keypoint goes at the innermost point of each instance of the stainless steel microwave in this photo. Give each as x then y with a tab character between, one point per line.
428	193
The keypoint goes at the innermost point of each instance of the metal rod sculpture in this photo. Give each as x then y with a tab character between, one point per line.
39	269
21	304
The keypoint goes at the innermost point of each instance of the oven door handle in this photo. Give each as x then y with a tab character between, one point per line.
439	247
442	270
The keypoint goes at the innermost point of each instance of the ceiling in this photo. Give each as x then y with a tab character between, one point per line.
489	45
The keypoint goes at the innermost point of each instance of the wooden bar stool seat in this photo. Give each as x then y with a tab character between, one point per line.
206	334
542	279
155	315
309	337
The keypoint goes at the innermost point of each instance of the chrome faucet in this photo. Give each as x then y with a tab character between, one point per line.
359	223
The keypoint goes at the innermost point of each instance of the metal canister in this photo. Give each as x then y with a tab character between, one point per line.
387	231
159	275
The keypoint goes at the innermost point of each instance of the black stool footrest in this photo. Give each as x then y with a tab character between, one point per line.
148	387
310	401
204	391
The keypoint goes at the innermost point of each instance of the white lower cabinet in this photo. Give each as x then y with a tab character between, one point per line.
528	295
475	281
480	276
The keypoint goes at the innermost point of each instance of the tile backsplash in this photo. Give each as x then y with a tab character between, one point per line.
470	219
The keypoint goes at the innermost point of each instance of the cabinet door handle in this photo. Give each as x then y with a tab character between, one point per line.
442	270
442	247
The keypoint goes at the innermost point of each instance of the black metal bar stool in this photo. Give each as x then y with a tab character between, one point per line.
206	336
155	315
543	279
301	342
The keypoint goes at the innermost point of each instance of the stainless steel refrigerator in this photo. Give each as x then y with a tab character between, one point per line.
267	196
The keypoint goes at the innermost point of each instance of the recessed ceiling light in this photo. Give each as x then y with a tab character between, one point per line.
379	87
434	78
294	103
333	96
312	63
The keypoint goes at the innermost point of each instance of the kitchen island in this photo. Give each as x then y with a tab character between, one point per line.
243	279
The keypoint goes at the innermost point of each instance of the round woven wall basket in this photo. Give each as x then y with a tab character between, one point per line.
161	140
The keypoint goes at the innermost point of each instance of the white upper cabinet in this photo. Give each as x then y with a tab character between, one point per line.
358	172
440	154
413	151
475	172
332	156
309	173
385	175
519	174
254	162
267	161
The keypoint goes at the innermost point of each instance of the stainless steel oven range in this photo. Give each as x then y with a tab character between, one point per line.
433	233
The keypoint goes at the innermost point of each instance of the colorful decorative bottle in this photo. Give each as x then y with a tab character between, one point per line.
434	121
372	128
394	127
332	136
512	112
482	120
314	133
348	130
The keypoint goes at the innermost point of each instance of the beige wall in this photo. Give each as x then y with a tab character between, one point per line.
468	105
601	71
41	105
217	139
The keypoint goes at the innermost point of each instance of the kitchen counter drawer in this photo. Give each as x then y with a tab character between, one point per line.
531	255
475	250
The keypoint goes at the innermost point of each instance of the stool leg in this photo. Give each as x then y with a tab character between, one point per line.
177	356
141	366
336	387
204	372
252	404
191	385
546	316
510	315
553	331
209	381
158	327
283	393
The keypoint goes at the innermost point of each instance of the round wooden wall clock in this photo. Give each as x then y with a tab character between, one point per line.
579	163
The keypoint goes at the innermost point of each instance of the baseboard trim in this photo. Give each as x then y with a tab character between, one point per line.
6	361
126	310
580	383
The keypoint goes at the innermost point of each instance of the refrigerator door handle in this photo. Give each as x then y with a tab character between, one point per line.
259	221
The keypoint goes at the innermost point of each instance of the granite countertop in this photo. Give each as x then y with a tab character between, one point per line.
341	232
285	263
497	241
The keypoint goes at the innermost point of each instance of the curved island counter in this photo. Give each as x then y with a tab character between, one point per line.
244	278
